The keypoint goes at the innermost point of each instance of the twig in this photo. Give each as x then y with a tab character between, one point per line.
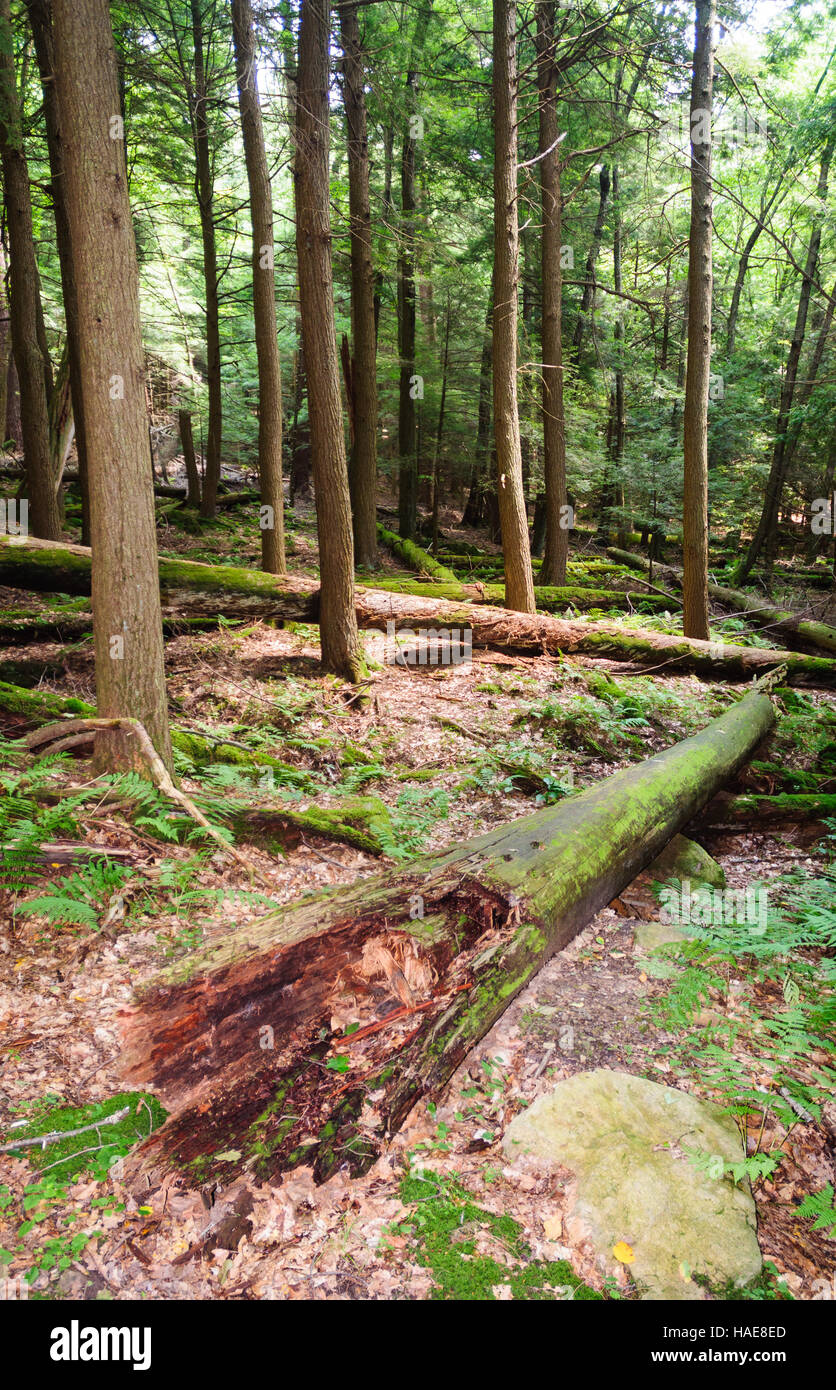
56	1134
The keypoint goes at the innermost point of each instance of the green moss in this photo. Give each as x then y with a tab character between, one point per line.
362	821
447	1227
414	556
96	1148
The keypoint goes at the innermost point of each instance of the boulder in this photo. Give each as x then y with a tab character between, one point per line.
626	1140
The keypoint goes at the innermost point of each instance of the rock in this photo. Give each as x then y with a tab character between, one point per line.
685	859
625	1138
651	939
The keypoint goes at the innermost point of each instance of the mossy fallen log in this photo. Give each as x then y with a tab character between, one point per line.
360	821
797	632
755	811
412	555
548	598
193	589
307	1035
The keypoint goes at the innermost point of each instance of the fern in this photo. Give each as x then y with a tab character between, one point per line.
822	1207
78	899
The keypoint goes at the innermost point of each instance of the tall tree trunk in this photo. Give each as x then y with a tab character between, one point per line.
362	474
767	530
519	582
24	294
481	473
184	420
264	295
40	18
588	296
338	624
445	362
205	193
616	489
127	632
407	415
700	281
553	569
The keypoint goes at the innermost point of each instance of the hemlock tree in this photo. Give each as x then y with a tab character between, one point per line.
264	294
553	569
519	582
697	379
33	367
362	474
337	620
127	624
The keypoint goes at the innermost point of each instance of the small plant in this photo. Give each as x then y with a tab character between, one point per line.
821	1208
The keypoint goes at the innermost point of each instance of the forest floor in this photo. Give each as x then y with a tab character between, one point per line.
447	753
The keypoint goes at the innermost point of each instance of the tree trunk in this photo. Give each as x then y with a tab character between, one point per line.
271	486
766	533
362	475
338	626
24	294
474	512
407	424
40	18
196	590
553	569
700	281
205	194
128	640
588	296
184	420
519	582
238	1038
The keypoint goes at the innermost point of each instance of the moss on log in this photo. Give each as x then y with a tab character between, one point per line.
548	598
412	555
797	632
361	821
308	1034
755	811
193	589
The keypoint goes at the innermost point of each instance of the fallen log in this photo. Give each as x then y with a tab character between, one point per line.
412	555
307	1035
756	810
548	598
192	589
799	633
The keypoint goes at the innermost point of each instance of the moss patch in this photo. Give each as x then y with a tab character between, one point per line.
456	1240
95	1149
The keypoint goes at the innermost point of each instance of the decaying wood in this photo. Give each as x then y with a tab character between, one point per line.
193	589
799	632
307	1035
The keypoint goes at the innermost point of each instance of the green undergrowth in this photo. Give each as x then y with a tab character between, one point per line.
48	1223
471	1252
751	1010
102	1142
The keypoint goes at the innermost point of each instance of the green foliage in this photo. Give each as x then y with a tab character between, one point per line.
470	1251
821	1208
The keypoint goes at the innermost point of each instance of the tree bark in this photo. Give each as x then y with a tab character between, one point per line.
196	590
700	282
128	640
362	475
271	485
40	18
481	474
408	442
237	1038
519	582
338	626
205	194
24	295
184	420
553	569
